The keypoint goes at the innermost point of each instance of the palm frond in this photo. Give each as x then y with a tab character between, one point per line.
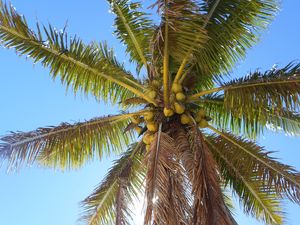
274	176
209	206
276	89
249	123
167	202
109	203
133	28
91	69
66	145
261	203
233	27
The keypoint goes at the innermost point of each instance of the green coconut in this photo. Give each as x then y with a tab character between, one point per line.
179	108
203	123
168	112
202	113
185	119
156	83
180	96
176	88
151	94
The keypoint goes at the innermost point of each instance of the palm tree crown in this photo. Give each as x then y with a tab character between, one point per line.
190	135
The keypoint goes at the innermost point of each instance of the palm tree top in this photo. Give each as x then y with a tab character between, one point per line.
191	134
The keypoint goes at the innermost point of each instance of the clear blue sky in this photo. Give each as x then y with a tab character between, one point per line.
30	99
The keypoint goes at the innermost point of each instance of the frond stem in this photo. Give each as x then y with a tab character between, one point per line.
166	76
132	36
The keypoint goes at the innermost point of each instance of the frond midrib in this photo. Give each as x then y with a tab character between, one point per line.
132	36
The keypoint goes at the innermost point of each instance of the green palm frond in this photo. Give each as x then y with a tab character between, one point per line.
133	28
273	175
233	27
258	201
67	145
109	203
249	124
91	69
276	89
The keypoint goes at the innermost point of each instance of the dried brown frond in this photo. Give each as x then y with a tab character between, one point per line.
209	207
166	199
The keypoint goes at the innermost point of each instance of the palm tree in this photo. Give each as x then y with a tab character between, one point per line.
190	135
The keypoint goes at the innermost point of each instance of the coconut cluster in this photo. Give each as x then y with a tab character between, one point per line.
176	110
152	127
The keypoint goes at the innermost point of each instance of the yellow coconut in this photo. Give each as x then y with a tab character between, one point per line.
168	112
176	88
136	119
151	94
147	139
203	123
148	116
138	129
180	96
152	126
185	119
148	147
179	108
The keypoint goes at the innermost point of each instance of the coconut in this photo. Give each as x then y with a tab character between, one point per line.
152	126
151	94
185	119
180	96
202	113
148	147
176	88
136	119
147	139
156	83
203	123
179	108
148	116
168	112
138	129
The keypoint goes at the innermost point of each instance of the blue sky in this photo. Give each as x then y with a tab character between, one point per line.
30	99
